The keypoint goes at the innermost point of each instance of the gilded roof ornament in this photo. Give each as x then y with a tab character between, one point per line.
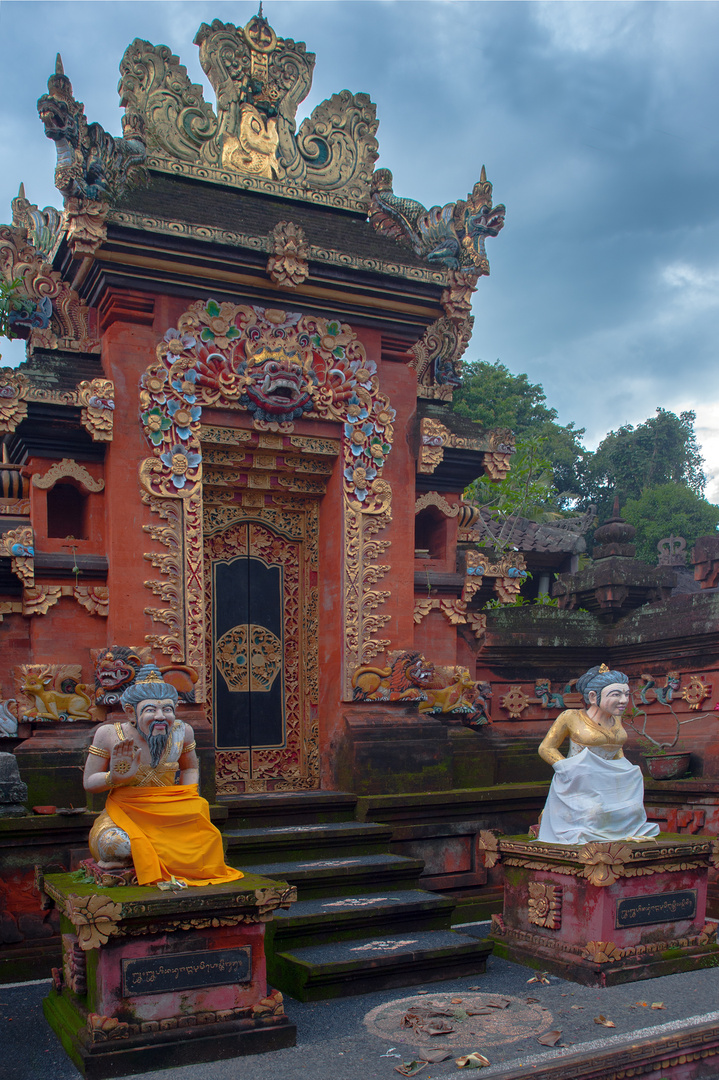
251	141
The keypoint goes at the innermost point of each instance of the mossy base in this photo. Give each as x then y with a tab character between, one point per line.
632	969
161	1049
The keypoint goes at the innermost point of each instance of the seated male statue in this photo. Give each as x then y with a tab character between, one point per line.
154	817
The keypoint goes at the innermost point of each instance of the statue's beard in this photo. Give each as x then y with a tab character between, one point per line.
156	743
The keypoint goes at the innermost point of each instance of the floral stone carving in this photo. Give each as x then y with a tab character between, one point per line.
515	701
545	904
20	546
97	399
95	918
288	264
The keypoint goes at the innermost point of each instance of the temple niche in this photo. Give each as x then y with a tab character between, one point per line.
231	449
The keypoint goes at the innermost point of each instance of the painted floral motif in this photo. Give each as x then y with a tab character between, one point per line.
156	424
180	461
279	366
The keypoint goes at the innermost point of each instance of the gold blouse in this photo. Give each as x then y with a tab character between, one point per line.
575	724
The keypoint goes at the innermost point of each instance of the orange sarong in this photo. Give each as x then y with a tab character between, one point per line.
171	834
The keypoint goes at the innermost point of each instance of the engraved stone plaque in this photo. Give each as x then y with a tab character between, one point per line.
186	971
661	908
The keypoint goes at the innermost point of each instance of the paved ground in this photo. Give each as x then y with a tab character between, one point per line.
357	1038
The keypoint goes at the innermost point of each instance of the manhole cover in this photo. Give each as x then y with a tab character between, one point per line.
457	1020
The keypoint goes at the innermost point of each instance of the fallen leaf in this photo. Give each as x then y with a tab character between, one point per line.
531	1000
603	1021
479	1012
577	1006
437	1029
435	1056
472	1061
541	978
498	1003
641	1002
456	1001
550	1038
475	988
658	1005
410	1068
423	991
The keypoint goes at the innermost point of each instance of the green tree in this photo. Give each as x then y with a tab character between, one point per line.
527	490
631	460
665	510
7	304
495	398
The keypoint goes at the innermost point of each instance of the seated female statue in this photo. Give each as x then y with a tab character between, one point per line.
596	794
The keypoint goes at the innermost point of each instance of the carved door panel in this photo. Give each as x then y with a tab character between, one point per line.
259	585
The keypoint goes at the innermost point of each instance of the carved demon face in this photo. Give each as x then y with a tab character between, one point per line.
115	669
279	387
419	672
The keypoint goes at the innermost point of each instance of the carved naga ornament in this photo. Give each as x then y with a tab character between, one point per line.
92	165
453	235
251	142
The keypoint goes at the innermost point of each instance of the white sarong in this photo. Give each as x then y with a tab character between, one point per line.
594	797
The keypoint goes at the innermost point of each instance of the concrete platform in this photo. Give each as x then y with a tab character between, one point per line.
334	1043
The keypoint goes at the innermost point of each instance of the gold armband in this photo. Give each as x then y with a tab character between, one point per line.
189	748
99	751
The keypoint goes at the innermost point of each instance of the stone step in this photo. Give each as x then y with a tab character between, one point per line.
299	807
349	876
316	922
363	965
305	842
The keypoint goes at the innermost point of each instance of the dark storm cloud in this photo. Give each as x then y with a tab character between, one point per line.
597	124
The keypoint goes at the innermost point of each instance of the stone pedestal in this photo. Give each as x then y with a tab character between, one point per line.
605	913
154	979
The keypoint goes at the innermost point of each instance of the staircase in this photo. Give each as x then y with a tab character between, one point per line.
361	921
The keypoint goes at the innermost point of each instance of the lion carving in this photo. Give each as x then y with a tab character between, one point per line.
404	680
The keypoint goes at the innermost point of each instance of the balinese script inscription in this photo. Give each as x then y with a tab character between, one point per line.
186	971
664	907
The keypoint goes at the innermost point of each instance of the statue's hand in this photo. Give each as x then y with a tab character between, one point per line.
124	763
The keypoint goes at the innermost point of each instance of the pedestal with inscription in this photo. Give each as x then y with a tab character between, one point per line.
605	913
154	979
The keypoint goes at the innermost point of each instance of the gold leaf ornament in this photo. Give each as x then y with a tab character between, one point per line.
95	918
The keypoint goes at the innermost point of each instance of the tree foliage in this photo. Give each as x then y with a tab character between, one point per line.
528	489
656	468
7	304
493	397
632	460
665	510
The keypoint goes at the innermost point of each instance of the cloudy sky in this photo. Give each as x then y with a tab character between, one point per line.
597	122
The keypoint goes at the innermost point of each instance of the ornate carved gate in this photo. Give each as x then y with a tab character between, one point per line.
261	602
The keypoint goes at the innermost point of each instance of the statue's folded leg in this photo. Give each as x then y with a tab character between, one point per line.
109	845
